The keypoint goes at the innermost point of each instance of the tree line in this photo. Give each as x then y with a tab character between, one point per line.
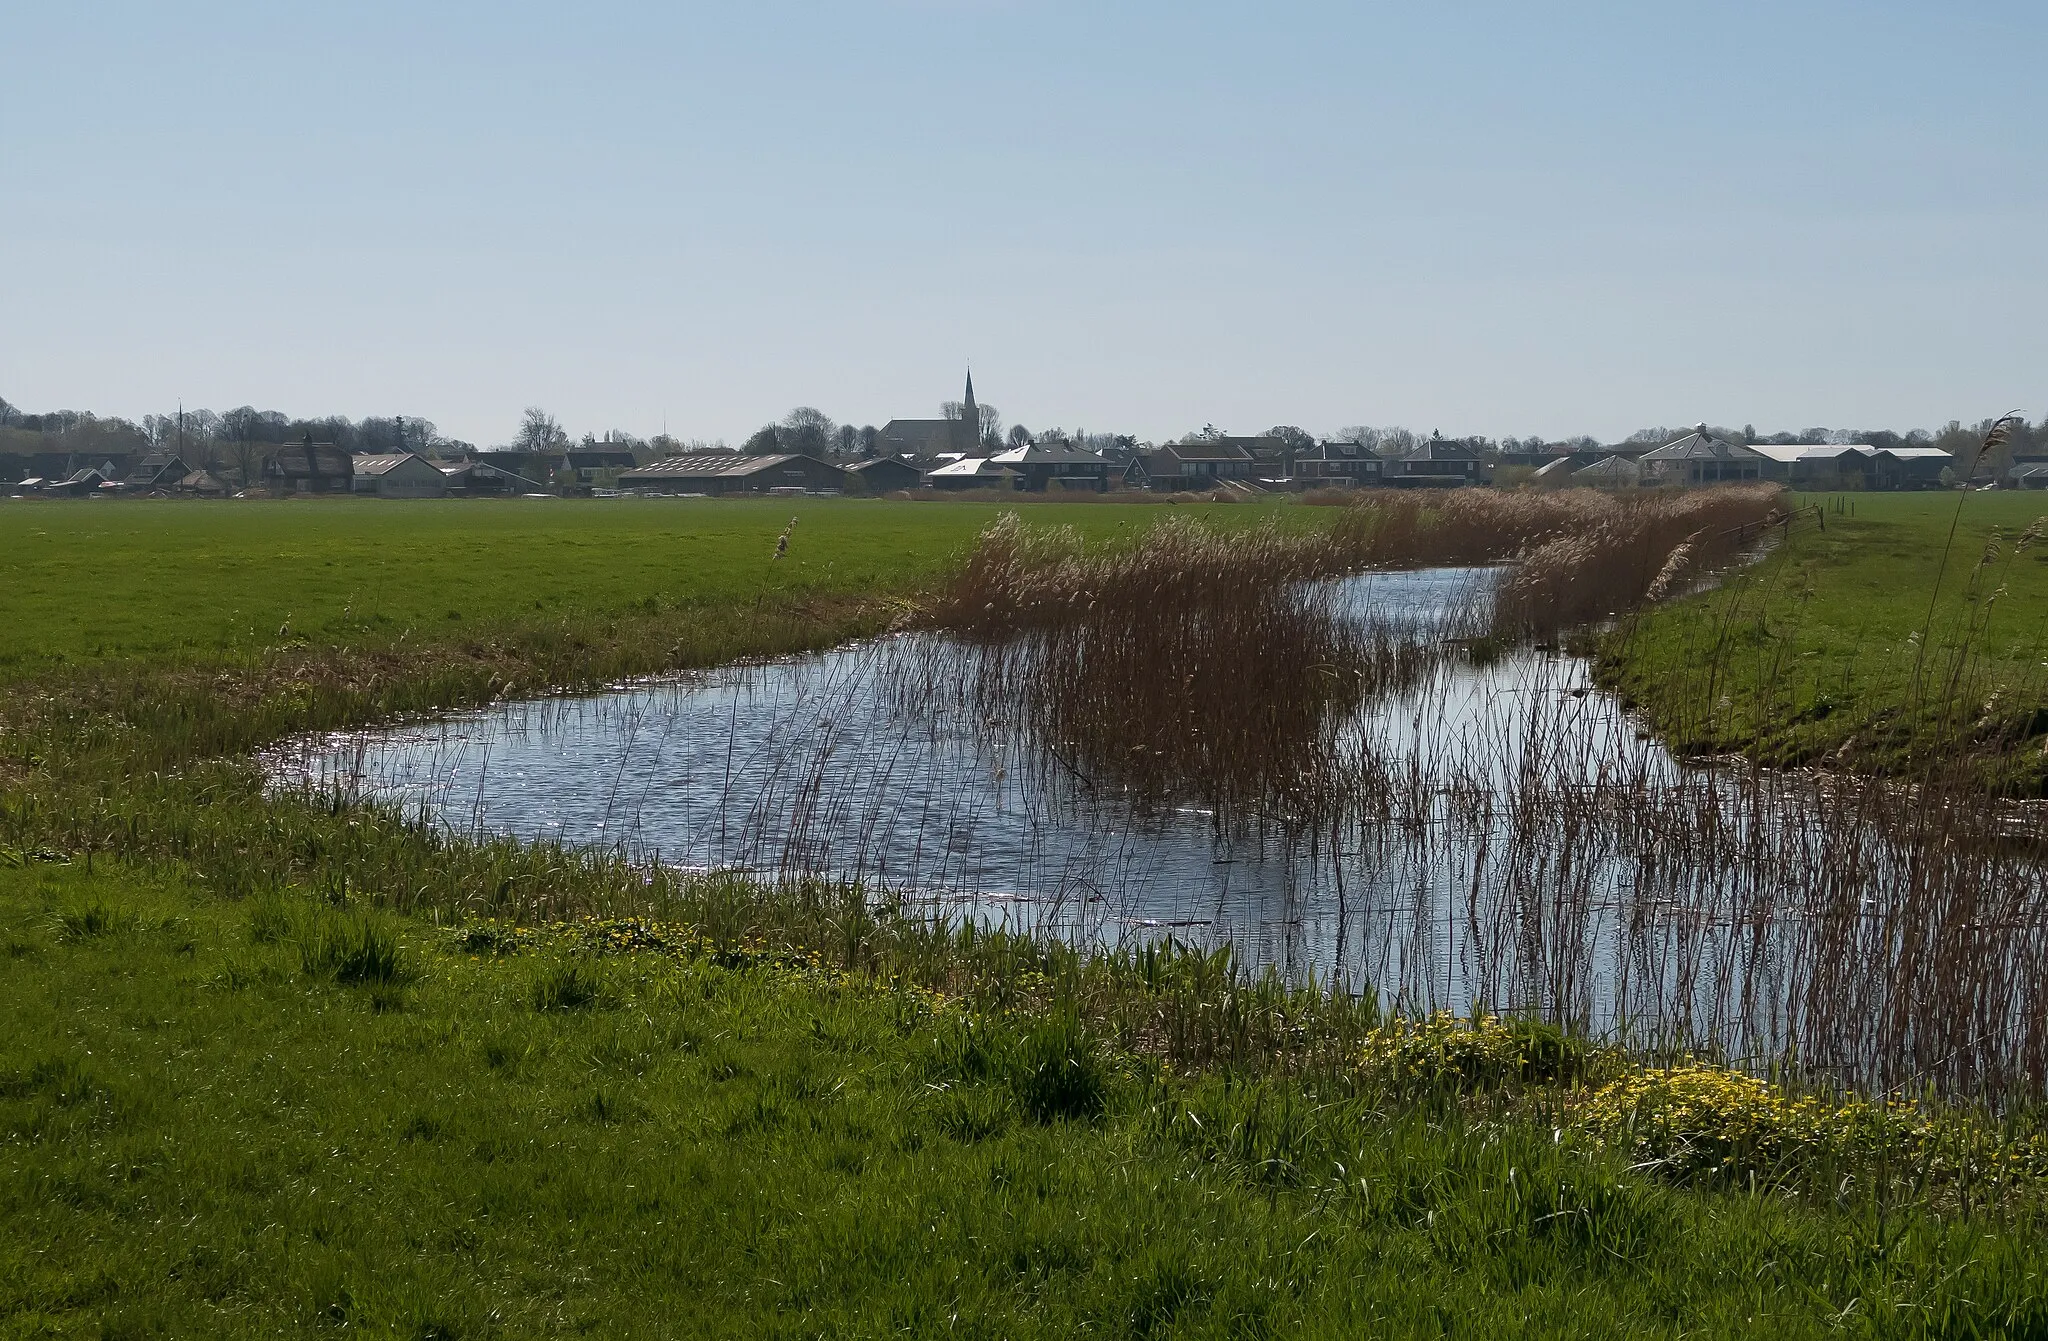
236	442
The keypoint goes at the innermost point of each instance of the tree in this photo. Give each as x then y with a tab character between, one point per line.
870	440
539	433
8	414
1293	441
765	442
849	440
808	430
1020	436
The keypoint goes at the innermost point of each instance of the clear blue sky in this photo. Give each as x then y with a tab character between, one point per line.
1141	217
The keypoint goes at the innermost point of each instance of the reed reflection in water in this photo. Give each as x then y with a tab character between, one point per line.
1464	832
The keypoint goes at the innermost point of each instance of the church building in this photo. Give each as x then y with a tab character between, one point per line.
932	437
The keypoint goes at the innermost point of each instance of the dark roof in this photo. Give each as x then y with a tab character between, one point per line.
457	470
922	436
156	468
1442	449
602	458
1212	449
296	460
717	465
1336	451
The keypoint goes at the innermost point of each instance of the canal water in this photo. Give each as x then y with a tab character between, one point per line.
1509	838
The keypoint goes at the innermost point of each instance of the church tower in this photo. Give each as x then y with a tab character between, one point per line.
969	439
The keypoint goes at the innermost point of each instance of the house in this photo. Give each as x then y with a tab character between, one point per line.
717	473
884	475
973	472
592	465
1187	466
399	475
477	477
80	484
1702	458
930	437
1609	472
2029	475
202	484
1046	465
157	470
1337	463
310	467
1440	463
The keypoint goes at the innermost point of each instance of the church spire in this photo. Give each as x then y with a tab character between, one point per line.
970	415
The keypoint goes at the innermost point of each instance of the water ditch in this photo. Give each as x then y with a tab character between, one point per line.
1451	830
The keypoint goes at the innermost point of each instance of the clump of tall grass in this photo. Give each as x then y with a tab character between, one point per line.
1190	666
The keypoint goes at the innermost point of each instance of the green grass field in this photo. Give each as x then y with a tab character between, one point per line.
1816	647
162	581
241	1094
215	1123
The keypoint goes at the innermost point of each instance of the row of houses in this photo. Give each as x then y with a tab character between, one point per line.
1704	457
1245	464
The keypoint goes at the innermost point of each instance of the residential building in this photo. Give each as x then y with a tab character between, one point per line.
1439	463
156	470
597	465
972	472
1055	465
1338	463
477	477
1700	457
1189	466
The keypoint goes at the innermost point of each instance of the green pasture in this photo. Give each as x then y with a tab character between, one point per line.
160	582
278	1116
1865	628
241	1095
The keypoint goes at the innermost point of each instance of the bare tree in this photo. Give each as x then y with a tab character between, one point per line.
539	433
1020	436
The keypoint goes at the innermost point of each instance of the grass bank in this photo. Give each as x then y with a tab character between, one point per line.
1838	647
238	1118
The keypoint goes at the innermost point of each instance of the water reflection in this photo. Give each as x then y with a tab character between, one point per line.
1506	837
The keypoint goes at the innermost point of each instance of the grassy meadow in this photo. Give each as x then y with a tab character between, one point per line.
1837	643
263	1070
278	1116
199	583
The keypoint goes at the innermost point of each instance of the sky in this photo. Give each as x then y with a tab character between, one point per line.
1130	215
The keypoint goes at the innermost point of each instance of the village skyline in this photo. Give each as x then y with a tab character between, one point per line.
1487	221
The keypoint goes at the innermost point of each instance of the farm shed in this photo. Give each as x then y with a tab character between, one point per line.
310	467
718	473
399	475
885	474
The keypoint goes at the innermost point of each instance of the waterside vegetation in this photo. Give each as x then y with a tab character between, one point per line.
337	1067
